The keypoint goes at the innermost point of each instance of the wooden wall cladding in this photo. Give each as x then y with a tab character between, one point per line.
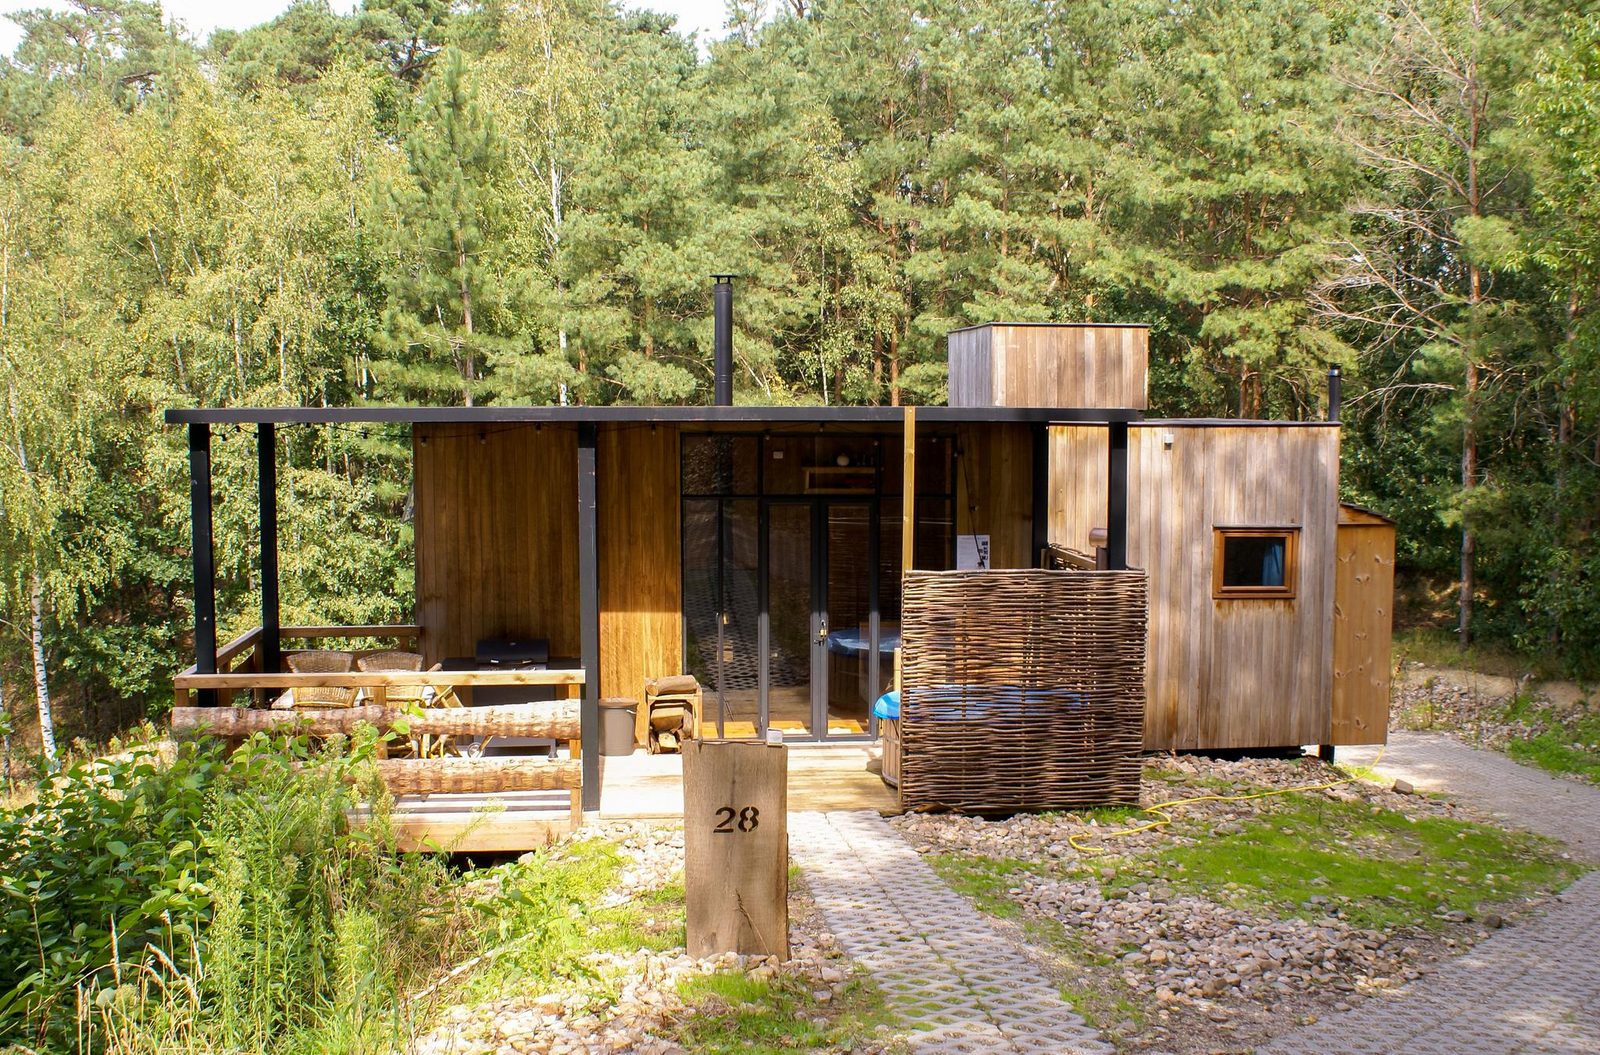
994	490
641	583
1078	477
1363	611
1220	673
1035	365
497	536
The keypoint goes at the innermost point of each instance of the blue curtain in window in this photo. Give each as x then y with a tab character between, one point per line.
1272	565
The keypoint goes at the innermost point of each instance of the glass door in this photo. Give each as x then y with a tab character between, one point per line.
793	623
848	580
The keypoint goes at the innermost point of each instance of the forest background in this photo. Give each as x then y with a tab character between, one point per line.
522	200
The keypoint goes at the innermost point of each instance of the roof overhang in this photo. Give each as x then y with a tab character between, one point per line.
643	415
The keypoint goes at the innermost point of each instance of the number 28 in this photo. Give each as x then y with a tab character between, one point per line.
745	820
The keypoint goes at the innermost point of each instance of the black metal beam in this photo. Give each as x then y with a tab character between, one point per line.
1117	498
1041	493
205	572
589	615
267	475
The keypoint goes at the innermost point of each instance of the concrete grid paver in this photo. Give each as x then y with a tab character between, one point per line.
1520	796
958	983
1531	989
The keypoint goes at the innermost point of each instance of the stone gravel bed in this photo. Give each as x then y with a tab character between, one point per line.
1204	975
1474	708
632	1002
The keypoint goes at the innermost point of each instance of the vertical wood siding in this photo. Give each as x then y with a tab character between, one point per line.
641	585
1362	628
1002	365
497	536
1234	673
994	491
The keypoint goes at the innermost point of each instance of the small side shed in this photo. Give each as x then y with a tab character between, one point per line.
1363	620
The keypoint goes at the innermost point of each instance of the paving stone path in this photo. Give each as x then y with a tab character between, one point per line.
1520	796
959	985
1534	987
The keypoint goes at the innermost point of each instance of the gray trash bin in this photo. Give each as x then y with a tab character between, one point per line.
616	725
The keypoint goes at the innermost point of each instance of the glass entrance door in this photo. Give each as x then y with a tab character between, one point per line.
793	622
848	590
791	571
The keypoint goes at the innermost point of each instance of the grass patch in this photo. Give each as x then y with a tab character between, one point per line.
731	1012
984	880
1439	647
1380	869
1569	744
544	909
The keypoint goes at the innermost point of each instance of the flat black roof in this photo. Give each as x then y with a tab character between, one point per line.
1059	325
626	415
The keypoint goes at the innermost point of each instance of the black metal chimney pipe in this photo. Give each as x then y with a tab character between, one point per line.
722	341
1335	386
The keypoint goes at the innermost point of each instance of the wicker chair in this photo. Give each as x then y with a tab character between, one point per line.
318	696
420	695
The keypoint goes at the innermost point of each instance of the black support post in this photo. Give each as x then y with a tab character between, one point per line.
589	614
1117	497
267	474
205	574
1041	493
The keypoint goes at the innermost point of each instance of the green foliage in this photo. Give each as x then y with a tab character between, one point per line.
1567	743
105	861
226	901
431	202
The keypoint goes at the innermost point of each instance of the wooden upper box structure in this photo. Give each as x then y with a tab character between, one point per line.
1046	364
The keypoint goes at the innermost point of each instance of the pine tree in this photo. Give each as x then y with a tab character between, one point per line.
446	285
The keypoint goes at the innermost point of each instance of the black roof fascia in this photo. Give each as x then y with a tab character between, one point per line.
1232	423
1057	325
640	415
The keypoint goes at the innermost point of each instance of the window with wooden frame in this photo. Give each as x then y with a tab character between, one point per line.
1255	563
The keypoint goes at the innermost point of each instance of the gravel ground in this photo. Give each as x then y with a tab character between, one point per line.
1473	708
1202	975
632	1002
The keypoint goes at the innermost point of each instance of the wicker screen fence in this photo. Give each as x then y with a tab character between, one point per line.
1021	690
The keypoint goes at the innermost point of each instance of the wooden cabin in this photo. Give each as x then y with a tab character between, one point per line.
761	550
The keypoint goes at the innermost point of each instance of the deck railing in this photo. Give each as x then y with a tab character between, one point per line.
239	673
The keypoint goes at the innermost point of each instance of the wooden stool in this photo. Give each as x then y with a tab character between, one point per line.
672	712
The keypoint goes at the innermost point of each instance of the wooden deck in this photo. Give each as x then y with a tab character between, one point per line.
821	777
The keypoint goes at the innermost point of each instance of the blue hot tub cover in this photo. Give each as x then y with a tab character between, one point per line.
888	706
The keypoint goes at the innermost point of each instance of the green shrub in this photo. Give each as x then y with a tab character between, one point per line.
103	863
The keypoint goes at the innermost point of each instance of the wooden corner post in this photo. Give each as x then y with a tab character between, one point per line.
908	496
736	847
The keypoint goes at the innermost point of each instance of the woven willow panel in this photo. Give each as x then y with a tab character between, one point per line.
1021	690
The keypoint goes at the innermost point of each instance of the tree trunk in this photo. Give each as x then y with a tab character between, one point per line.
468	373
41	671
894	368
1469	480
